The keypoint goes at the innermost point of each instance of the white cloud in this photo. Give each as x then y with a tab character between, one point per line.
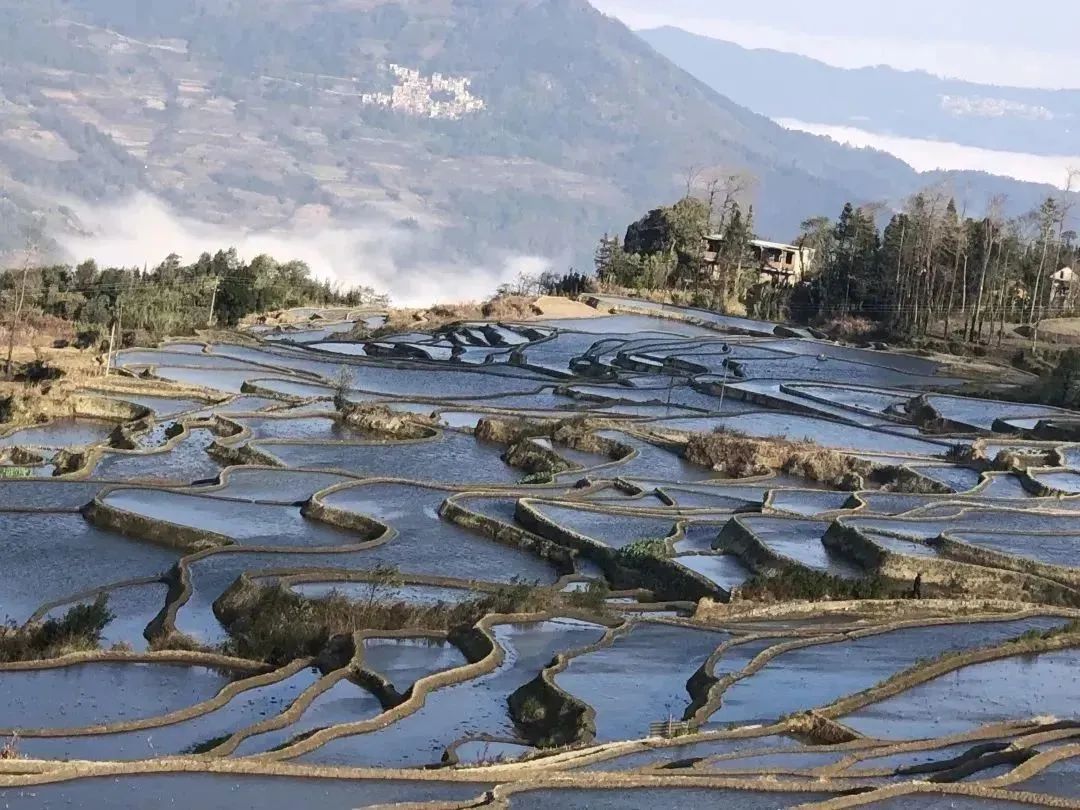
977	62
143	230
927	155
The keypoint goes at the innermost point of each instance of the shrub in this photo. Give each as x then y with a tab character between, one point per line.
342	383
641	550
78	629
1062	385
532	710
206	745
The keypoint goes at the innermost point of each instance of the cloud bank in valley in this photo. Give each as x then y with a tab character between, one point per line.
142	230
927	155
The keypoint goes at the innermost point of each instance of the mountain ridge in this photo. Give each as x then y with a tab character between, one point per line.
283	114
909	103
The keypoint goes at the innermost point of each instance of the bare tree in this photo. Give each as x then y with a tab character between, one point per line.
990	238
723	192
30	251
1052	217
959	249
690	177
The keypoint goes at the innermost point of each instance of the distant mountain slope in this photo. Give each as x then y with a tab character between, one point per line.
526	125
881	99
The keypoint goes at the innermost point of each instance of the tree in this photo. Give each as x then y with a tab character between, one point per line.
735	258
723	193
666	244
991	231
604	258
849	276
817	236
237	294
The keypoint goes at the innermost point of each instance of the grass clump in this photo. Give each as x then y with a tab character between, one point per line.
78	630
1035	634
273	624
593	598
206	746
959	453
804	584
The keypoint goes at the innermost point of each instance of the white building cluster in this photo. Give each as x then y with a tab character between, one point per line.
984	107
435	96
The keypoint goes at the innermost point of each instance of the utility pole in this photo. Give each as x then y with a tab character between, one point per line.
723	384
108	357
213	303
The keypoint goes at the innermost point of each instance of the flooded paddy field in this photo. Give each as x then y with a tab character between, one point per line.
251	524
487	551
976	696
186	735
223	790
50	556
344	702
476	707
183	463
652	660
657	799
133	607
96	694
792	680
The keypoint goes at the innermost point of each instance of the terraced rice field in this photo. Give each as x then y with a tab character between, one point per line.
486	574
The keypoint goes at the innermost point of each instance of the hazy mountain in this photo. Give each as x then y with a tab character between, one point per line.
529	125
880	99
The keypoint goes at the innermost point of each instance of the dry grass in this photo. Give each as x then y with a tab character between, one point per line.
381	422
10	749
27	400
500	308
731	305
851	328
39	331
509	308
741	456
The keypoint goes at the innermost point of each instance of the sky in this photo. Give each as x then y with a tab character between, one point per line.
1031	44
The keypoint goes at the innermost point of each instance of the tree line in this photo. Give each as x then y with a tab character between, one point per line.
932	267
172	298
